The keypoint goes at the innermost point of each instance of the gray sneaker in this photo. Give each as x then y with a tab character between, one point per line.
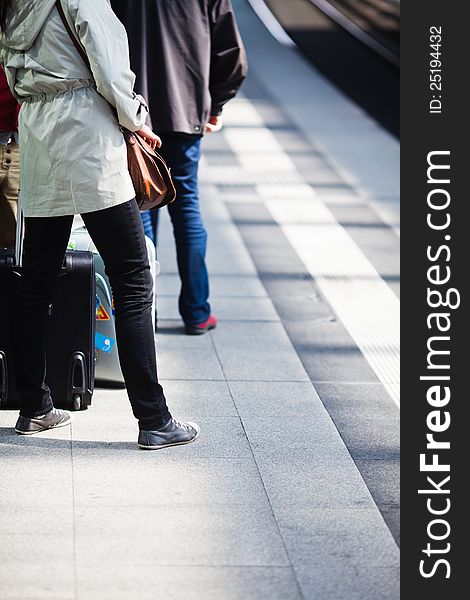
54	418
173	434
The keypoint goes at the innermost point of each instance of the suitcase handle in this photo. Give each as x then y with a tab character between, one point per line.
3	377
19	234
67	265
19	239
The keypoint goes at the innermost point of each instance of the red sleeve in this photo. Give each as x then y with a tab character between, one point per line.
9	107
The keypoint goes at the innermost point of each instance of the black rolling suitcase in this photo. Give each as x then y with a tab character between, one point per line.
71	333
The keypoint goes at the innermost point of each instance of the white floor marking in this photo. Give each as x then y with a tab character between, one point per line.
364	303
245	115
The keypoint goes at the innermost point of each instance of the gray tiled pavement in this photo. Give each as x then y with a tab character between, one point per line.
269	503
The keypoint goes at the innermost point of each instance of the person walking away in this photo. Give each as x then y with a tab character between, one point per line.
190	61
74	161
9	163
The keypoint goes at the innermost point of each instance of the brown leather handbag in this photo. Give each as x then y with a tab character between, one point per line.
150	174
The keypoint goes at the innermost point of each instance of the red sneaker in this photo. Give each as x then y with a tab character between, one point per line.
201	328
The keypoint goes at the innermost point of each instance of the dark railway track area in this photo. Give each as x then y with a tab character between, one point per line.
355	43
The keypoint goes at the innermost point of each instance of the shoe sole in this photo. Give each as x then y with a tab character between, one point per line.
200	331
169	445
68	422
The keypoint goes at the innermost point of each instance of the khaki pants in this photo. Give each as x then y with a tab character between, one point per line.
9	185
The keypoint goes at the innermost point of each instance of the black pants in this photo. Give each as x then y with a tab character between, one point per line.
118	235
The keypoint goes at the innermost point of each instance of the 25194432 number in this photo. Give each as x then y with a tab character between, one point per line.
435	70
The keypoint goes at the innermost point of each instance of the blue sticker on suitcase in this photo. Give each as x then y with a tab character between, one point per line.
104	343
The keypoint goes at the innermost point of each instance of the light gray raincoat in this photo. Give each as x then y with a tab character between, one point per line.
73	155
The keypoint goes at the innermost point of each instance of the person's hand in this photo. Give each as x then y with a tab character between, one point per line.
151	138
214	124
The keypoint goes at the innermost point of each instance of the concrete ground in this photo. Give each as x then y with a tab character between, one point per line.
291	492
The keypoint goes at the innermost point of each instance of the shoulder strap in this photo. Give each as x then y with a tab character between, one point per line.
72	35
77	44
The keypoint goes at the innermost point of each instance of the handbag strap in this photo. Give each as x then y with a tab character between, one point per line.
72	35
79	47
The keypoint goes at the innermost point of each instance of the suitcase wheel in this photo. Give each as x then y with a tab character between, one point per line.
77	382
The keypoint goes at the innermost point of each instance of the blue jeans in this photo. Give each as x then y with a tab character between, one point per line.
182	153
148	223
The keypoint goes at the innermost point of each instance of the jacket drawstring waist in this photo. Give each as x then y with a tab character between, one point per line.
47	97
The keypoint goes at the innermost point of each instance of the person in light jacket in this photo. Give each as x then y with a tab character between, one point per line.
74	161
190	61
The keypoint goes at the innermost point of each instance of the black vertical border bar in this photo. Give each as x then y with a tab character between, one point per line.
421	133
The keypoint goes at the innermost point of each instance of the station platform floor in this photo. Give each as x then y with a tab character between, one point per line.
292	490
